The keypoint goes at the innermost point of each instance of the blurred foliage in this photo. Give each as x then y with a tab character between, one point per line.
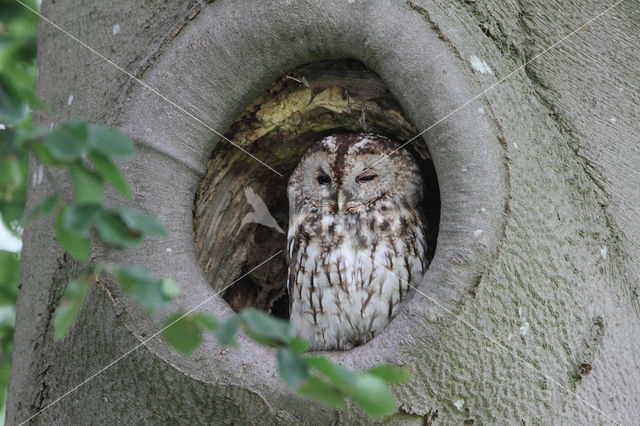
86	151
312	376
18	29
18	33
9	264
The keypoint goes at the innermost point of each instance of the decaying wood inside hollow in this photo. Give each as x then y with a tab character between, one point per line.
232	235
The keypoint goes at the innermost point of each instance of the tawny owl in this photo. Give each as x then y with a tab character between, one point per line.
356	238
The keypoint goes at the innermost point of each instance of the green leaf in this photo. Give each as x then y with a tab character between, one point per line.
10	168
127	275
205	321
44	207
141	285
183	334
264	328
43	152
367	390
8	141
323	392
5	368
372	395
68	142
92	270
340	376
127	227
391	374
72	300
228	330
9	272
141	222
296	344
74	244
113	231
30	97
88	186
13	175
110	142
13	109
293	367
169	288
30	135
11	215
79	217
111	173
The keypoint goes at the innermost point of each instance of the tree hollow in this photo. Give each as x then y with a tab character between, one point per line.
232	234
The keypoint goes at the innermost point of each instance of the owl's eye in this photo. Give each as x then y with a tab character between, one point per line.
366	177
323	179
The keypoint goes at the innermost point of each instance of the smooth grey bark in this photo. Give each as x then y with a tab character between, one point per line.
539	244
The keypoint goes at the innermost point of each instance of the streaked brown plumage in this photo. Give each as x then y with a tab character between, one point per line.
349	214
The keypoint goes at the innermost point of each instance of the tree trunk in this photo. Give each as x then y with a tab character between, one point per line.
530	309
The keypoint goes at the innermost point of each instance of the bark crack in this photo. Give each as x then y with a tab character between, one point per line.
55	293
156	51
422	11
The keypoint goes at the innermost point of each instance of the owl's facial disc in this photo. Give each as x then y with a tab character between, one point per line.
351	172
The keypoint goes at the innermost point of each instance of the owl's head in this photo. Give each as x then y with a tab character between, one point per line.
351	172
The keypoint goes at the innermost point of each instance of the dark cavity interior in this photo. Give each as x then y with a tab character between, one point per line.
302	106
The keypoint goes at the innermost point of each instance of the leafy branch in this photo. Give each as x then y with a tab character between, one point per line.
311	376
17	71
85	151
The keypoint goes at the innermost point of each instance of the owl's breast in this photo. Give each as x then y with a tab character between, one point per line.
349	273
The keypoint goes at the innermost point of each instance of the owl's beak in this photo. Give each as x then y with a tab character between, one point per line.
341	199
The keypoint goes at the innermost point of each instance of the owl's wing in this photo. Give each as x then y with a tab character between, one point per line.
293	265
292	237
